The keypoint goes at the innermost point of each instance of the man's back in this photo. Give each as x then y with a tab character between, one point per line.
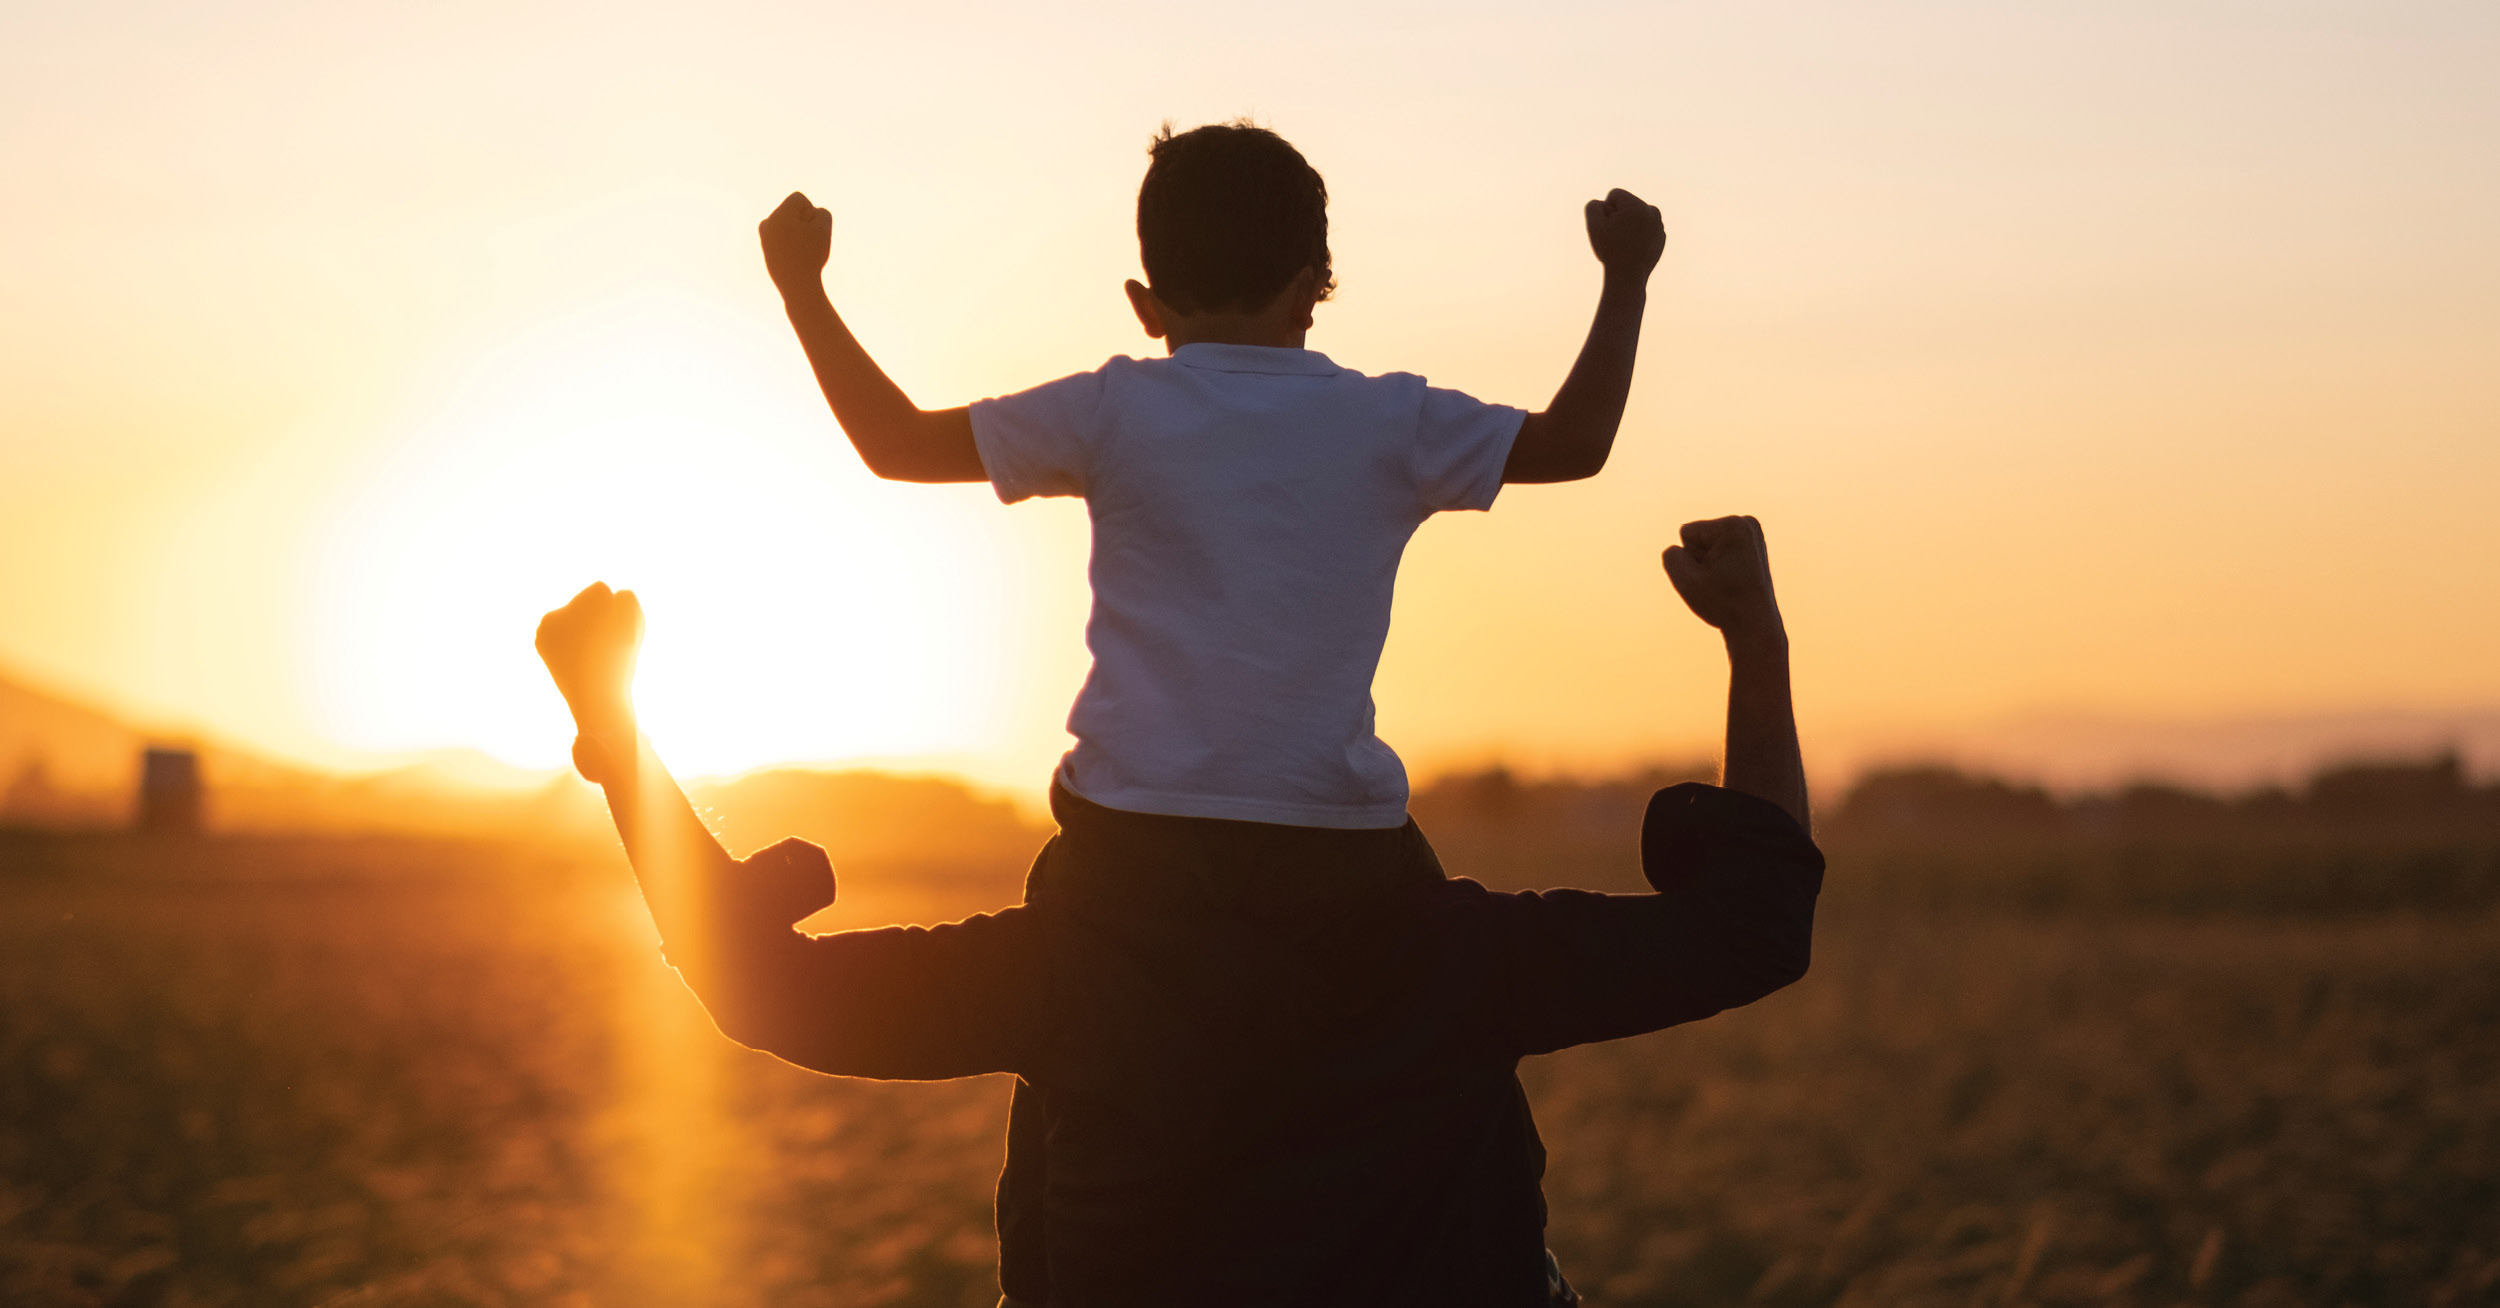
1282	1083
1268	1078
1264	1075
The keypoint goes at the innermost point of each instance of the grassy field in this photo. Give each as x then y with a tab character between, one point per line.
397	1073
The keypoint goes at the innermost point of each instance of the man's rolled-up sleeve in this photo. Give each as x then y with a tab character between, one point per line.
893	1003
1732	920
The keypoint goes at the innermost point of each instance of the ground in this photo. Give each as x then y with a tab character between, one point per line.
393	1073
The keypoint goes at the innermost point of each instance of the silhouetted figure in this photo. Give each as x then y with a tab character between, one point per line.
1266	1078
170	800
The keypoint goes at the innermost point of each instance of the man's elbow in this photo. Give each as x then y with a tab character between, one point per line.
1792	967
757	1018
1759	979
1777	964
745	985
1790	945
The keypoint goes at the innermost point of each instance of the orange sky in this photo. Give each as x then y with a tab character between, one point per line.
2135	360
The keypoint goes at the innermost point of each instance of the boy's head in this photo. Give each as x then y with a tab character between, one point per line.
1229	216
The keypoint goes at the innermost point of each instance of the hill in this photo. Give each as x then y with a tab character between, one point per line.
60	760
68	765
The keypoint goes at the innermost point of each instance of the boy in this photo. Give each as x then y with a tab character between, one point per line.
1273	1105
1249	498
1250	501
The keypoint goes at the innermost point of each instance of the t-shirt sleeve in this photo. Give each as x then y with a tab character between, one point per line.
1040	441
1461	443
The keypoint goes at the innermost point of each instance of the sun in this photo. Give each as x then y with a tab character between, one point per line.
799	609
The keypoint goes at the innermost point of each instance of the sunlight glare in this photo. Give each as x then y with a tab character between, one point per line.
799	609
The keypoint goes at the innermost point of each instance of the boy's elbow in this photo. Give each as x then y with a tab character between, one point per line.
1550	450
883	458
919	446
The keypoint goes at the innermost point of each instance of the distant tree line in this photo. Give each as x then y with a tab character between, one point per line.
2358	836
1934	802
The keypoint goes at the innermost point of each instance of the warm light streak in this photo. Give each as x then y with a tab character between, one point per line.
799	609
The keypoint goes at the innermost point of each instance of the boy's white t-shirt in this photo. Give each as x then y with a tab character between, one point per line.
1249	505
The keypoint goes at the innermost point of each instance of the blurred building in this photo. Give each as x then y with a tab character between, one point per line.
170	791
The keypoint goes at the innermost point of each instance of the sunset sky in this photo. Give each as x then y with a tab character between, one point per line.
2122	359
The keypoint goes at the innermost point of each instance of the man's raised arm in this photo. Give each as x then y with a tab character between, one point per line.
1734	871
1723	571
706	904
896	1002
897	439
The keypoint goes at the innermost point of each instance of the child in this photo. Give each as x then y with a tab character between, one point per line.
1250	498
1250	501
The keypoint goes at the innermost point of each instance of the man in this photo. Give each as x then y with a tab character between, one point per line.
1274	1080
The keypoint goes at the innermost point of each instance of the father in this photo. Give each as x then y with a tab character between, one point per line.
1269	1083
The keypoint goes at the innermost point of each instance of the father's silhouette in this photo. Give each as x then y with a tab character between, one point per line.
1268	1083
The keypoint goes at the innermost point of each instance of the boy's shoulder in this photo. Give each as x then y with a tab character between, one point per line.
1207	360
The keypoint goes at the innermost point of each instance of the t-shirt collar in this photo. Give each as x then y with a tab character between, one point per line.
1283	360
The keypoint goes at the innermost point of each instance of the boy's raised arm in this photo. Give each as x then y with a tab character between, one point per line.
897	439
1572	436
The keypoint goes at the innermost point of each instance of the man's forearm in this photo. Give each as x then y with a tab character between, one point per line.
676	859
1763	757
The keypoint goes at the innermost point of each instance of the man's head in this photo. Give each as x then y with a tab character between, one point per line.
1231	219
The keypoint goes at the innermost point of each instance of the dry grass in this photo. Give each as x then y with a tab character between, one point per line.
1989	1109
317	1073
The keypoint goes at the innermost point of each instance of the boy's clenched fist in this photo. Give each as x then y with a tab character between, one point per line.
798	238
1627	233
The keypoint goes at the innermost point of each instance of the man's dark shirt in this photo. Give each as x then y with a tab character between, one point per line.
1275	1072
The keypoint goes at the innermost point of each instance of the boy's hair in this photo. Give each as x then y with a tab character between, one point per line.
1229	214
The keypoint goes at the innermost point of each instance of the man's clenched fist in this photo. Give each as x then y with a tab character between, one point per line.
1723	571
1627	234
798	237
589	647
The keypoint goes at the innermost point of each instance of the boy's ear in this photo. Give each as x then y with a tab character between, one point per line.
1304	293
1149	310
